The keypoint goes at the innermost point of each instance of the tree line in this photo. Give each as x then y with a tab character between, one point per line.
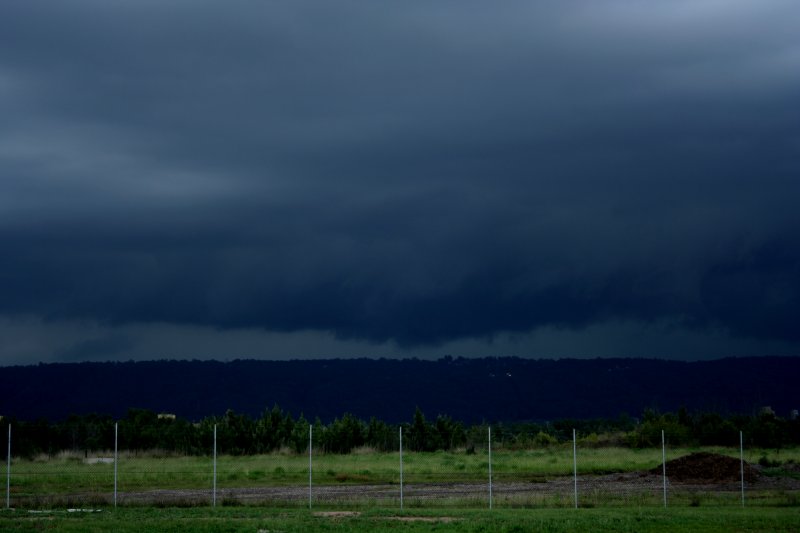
275	429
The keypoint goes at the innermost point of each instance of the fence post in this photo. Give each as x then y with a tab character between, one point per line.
401	468
490	467
664	466
575	467
310	446
8	471
116	459
214	483
741	461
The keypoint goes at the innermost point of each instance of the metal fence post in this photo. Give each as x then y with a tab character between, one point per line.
310	447
490	467
664	466
116	459
741	462
575	467
8	471
214	483
401	467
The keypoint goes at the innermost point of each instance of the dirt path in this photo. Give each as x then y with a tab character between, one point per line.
626	484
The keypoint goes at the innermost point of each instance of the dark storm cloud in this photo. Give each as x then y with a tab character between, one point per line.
417	172
101	348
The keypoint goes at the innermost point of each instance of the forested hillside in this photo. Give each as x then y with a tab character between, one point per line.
469	390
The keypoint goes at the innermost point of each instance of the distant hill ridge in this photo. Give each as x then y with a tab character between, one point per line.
505	389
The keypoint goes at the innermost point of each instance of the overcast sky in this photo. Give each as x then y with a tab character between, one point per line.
253	178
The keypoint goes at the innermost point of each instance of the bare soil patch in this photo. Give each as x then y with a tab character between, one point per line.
707	467
432	519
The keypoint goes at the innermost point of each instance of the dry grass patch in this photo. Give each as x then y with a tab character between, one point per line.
432	519
337	514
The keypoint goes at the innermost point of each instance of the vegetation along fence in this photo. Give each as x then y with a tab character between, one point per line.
535	471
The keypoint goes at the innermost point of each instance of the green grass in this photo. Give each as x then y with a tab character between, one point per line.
44	477
255	519
137	472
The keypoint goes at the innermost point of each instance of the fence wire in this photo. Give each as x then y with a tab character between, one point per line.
566	474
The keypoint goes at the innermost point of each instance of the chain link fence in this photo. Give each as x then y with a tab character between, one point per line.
486	474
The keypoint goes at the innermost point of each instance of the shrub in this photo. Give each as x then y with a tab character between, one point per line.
544	439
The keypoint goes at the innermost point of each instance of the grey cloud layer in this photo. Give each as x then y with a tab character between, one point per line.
415	172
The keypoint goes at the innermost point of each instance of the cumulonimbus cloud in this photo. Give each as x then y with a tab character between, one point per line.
414	174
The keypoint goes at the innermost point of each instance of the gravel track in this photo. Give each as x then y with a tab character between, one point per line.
625	485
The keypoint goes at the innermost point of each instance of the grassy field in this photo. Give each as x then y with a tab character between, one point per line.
35	482
254	520
67	472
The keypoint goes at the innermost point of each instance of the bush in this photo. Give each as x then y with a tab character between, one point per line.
544	439
766	462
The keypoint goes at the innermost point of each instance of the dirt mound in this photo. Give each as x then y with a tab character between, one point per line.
707	467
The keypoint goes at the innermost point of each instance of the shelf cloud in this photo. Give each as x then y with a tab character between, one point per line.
399	179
